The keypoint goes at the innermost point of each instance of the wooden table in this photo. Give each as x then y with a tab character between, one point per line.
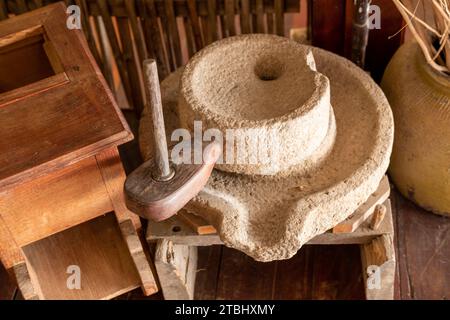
61	178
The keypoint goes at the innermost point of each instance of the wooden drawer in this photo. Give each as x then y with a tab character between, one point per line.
53	203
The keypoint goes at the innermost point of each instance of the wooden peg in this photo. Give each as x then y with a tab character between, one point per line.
158	188
378	216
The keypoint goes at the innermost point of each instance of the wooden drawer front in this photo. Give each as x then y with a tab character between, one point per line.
56	202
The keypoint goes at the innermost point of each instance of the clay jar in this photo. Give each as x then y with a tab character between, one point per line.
420	100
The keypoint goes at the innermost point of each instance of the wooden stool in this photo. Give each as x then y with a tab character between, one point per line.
370	226
62	211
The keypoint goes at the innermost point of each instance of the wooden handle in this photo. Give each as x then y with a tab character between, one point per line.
159	200
162	168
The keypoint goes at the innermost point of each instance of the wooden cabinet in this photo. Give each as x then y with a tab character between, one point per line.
61	179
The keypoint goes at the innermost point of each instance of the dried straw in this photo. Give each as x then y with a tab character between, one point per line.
426	34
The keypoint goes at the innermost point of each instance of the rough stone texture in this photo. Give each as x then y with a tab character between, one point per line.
270	217
270	94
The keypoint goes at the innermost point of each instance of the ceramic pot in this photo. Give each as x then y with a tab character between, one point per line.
420	101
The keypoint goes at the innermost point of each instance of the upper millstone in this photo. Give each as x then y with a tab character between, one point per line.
265	96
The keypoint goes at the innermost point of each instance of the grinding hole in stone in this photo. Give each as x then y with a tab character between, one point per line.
269	69
176	229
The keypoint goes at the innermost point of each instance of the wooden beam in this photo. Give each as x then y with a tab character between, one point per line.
177	267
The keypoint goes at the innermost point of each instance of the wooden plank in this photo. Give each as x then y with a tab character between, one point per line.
132	65
3	10
176	266
208	268
87	29
172	32
190	42
130	236
279	17
423	246
378	261
365	210
180	232
212	22
245	16
336	273
328	21
243	278
229	17
115	47
260	16
118	7
114	178
378	216
10	252
197	223
155	39
97	248
55	202
294	276
195	24
27	287
7	286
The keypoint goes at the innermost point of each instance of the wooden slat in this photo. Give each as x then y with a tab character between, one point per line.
21	6
176	266
279	17
168	48
212	22
131	238
197	223
113	42
192	7
270	23
379	254
243	278
180	232
245	16
137	35
423	246
3	10
86	26
260	16
208	268
294	277
190	42
10	252
154	38
97	27
114	177
328	23
336	273
172	31
229	17
118	7
24	282
131	64
8	286
365	210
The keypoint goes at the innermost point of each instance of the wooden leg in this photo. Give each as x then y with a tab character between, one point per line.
25	283
129	234
176	266
378	262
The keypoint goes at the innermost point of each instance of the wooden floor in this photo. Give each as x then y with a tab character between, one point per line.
422	243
